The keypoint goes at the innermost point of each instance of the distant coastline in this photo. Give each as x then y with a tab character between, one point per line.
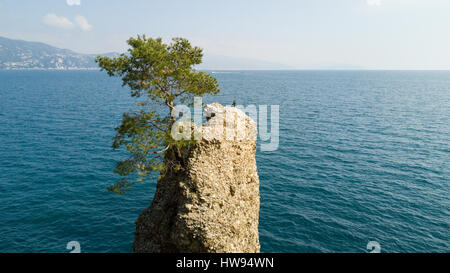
24	55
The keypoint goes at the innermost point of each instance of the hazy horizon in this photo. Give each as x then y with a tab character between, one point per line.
292	35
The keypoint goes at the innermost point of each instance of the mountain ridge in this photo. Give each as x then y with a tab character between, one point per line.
30	55
27	55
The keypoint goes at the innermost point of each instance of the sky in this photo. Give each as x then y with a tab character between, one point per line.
297	34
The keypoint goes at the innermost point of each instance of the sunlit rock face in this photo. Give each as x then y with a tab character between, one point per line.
213	205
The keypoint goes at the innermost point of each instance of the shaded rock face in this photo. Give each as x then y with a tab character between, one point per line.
212	206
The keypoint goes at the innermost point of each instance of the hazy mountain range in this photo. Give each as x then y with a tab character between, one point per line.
24	55
18	54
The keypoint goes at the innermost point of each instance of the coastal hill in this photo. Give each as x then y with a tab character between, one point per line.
23	55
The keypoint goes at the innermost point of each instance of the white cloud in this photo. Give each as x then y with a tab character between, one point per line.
374	2
83	23
57	21
64	23
73	2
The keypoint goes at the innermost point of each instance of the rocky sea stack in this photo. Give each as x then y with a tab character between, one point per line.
213	205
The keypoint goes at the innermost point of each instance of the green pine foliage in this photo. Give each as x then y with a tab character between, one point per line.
160	76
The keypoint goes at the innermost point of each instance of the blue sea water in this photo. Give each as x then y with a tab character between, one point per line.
363	156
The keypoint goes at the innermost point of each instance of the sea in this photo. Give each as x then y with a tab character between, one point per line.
363	160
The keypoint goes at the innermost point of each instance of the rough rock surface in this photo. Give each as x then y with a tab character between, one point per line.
213	206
